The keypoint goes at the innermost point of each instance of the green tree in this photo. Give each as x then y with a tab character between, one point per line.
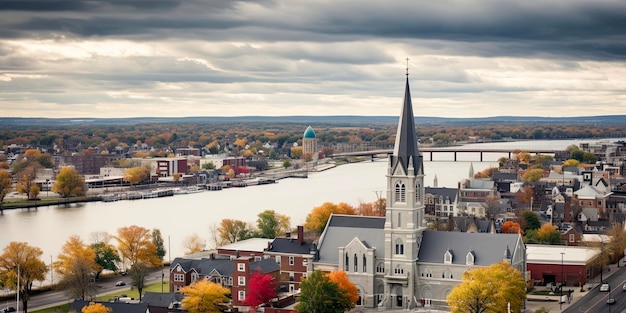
318	294
203	296
157	240
270	224
231	231
106	256
286	163
19	261
69	183
489	289
532	220
546	234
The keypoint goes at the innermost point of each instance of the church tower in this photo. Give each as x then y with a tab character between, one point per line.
405	212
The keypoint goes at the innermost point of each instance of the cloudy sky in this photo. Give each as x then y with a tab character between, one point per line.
175	58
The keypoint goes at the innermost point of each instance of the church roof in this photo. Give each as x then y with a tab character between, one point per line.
406	149
487	248
341	229
309	133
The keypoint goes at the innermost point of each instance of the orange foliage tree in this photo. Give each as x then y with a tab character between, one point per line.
95	308
316	220
510	227
341	279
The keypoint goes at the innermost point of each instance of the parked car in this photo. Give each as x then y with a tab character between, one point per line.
610	301
624	287
9	309
605	287
120	283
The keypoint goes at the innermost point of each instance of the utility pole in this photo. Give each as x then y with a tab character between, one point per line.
562	283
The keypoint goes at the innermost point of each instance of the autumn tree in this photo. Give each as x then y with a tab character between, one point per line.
510	227
316	220
525	194
106	256
77	264
20	262
95	308
261	289
571	163
26	179
5	185
489	289
138	272
341	279
231	231
69	183
318	294
376	208
203	296
546	234
533	175
136	246
271	224
296	152
193	244
617	244
135	175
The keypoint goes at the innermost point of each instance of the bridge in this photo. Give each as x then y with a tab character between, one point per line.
452	150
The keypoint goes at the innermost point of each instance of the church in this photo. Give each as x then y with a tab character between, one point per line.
395	261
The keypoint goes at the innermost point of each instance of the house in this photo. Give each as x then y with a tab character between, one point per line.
394	261
440	201
117	307
295	257
571	265
163	302
231	273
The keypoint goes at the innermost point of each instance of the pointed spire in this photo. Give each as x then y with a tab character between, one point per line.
406	149
471	170
435	182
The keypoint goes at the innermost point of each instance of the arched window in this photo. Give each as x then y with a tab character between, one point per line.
364	264
400	192
469	259
347	263
399	247
418	193
380	267
398	270
356	263
399	219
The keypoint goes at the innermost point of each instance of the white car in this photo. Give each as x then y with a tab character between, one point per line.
605	287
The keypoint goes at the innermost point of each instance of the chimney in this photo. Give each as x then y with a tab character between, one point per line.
288	234
300	234
212	257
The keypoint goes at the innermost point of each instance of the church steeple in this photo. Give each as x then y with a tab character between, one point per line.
406	149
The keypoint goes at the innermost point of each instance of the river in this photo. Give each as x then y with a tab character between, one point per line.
180	216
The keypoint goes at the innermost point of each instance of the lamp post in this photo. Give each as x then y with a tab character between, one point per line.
562	282
47	186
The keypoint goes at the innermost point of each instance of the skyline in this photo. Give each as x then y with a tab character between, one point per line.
162	58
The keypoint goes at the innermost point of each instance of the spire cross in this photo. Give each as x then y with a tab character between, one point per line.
407	66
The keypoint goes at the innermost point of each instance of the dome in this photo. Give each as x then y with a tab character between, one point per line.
309	133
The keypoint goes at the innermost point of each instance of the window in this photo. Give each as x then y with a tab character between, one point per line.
242	295
469	259
380	267
179	277
398	270
399	247
241	267
399	219
304	275
278	259
241	280
447	257
291	260
356	263
364	264
418	194
400	192
347	263
572	237
291	276
194	277
305	262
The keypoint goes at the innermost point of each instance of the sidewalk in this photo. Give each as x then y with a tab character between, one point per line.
554	306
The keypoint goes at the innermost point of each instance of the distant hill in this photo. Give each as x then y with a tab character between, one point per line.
16	122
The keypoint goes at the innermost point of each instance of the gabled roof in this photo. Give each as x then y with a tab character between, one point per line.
406	149
266	266
341	229
162	300
487	248
117	307
289	245
588	191
444	192
224	267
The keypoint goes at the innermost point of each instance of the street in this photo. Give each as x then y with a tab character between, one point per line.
596	302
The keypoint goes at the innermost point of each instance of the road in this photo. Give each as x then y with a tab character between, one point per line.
104	286
595	301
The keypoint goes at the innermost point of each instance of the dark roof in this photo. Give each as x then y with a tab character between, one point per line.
360	222
223	266
487	248
266	266
499	176
162	300
289	245
406	148
444	192
116	307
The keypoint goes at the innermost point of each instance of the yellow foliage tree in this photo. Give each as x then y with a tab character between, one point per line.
316	220
533	175
135	244
571	163
95	308
135	175
193	244
489	289
341	279
77	264
5	185
69	183
204	296
296	152
241	143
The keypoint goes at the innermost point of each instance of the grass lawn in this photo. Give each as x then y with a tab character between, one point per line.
155	287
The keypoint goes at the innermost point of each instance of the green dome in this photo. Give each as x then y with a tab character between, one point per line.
309	133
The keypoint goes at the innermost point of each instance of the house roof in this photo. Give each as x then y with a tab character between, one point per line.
223	266
341	229
442	191
252	244
550	254
289	245
162	300
117	307
588	192
487	248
